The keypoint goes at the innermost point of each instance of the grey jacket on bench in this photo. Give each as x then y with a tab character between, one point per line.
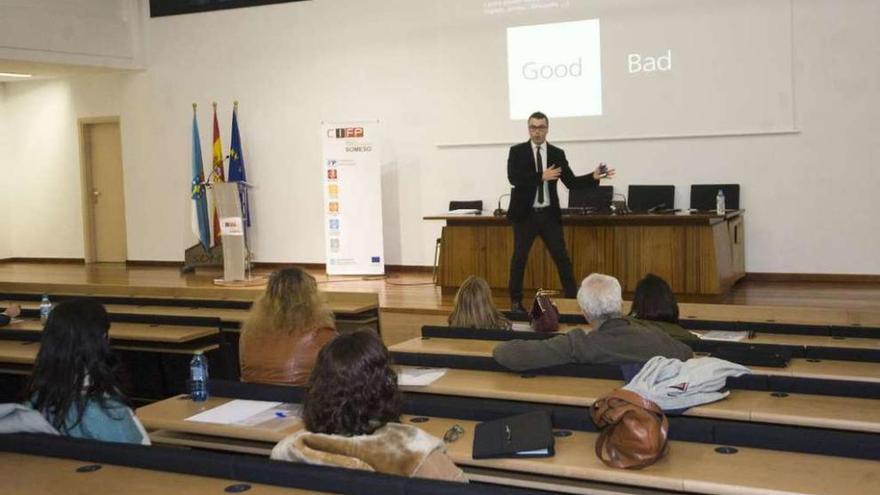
617	341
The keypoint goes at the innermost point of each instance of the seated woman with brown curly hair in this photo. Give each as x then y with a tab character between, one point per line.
285	329
473	307
352	416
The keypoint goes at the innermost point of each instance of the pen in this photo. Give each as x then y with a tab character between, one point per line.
280	414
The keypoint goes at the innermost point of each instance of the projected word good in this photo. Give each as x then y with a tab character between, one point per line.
533	70
644	63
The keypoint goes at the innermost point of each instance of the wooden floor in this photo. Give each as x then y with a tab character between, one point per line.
414	290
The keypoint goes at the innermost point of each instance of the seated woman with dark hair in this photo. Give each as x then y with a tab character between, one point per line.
75	383
285	329
352	416
473	307
654	301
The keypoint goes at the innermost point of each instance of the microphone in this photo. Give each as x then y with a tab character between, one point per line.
500	212
656	207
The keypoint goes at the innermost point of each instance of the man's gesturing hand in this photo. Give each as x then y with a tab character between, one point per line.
551	173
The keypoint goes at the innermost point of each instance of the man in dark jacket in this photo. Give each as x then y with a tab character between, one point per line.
534	203
613	340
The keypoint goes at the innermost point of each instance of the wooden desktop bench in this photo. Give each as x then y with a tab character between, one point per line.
690	467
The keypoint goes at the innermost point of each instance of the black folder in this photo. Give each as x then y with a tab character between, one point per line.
525	435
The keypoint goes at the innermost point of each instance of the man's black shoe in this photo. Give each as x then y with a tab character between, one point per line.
516	306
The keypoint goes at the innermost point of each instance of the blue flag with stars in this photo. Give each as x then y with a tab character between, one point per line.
236	167
201	227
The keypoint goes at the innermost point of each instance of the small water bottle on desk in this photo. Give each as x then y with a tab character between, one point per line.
45	308
198	377
719	203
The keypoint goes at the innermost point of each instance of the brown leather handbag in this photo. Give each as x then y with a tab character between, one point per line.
634	430
544	315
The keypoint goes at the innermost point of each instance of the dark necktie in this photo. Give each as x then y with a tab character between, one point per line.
540	167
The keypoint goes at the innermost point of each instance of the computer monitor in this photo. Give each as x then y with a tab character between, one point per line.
703	196
597	198
645	198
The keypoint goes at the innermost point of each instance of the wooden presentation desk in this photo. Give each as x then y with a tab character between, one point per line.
29	474
690	467
698	254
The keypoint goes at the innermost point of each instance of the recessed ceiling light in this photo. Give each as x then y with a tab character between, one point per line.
15	74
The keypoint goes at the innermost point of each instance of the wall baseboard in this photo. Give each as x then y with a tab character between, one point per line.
175	264
277	266
16	259
842	278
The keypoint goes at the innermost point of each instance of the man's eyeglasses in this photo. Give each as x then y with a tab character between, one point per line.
537	127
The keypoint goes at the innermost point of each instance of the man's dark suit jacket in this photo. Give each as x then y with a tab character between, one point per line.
523	175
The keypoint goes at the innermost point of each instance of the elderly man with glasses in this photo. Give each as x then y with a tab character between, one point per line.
613	340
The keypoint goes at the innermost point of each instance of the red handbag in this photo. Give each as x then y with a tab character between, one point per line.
544	315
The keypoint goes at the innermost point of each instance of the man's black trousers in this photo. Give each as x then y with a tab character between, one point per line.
539	223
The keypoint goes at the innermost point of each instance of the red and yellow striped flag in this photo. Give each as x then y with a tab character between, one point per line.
217	174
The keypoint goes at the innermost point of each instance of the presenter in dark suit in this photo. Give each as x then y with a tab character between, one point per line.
533	169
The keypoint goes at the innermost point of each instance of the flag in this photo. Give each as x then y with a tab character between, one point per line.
236	167
200	225
217	173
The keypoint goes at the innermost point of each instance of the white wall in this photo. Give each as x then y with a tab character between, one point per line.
42	160
106	33
809	196
5	234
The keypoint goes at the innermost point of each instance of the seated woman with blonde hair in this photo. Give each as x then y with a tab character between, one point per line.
285	329
352	417
473	307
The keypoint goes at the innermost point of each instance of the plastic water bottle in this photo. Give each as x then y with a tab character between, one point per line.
198	378
45	308
719	202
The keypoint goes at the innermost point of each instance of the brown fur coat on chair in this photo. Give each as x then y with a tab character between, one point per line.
395	448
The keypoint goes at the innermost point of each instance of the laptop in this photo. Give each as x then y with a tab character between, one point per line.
651	198
592	198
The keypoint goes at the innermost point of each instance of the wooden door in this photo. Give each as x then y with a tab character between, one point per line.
104	193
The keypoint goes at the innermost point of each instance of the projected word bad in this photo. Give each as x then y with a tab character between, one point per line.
532	70
644	63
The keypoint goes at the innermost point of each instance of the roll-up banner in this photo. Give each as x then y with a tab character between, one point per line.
352	198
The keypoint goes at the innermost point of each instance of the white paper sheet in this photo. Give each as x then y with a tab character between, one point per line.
276	418
419	377
522	326
725	335
233	412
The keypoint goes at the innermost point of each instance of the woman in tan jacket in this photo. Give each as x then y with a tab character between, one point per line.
352	417
284	331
